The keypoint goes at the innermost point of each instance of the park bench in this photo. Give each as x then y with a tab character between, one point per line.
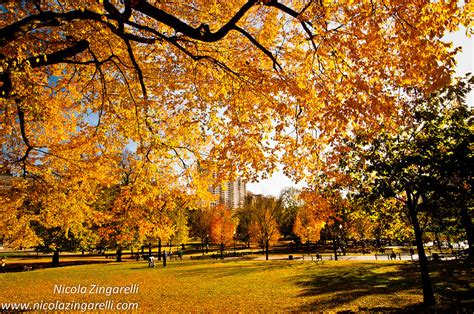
176	256
317	256
389	257
448	255
462	254
27	268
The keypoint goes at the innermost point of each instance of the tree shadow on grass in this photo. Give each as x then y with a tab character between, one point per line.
20	266
394	282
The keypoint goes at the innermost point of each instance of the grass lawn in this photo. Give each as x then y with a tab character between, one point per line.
248	286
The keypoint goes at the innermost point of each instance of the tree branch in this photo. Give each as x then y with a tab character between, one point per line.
202	32
220	64
37	61
259	46
21	119
137	68
44	19
52	58
282	7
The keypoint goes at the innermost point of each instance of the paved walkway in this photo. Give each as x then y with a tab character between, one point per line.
327	257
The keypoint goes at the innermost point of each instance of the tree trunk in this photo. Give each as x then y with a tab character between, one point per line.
222	250
159	249
149	249
334	248
266	250
428	294
119	254
467	222
55	261
377	241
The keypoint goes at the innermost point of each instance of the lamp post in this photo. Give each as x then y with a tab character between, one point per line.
235	236
341	242
308	243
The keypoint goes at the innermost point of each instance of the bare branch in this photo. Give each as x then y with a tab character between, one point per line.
44	19
202	32
201	57
137	68
21	119
259	46
283	8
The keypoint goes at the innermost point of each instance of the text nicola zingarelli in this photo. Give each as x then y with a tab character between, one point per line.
96	289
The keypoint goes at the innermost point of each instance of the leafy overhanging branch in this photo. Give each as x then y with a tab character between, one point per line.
56	57
202	33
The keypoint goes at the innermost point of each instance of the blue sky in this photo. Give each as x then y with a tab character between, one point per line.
465	64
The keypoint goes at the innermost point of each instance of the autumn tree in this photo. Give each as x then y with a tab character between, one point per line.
325	212
200	224
264	228
55	240
142	207
289	204
15	225
308	224
389	222
222	226
379	220
182	206
54	212
212	80
229	86
427	156
360	226
244	214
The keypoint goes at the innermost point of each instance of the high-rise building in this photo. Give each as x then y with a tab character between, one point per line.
231	194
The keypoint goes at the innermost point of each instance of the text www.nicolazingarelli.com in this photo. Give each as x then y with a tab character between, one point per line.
69	306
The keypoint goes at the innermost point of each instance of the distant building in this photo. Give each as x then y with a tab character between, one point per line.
251	198
231	194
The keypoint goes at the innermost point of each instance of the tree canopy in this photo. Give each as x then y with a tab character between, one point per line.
209	80
198	91
420	164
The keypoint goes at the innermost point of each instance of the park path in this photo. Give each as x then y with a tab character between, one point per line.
367	257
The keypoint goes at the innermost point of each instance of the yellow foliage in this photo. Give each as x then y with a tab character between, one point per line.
228	87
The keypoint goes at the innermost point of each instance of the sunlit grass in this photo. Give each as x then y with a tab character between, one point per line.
244	286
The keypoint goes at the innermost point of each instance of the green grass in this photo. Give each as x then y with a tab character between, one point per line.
249	286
